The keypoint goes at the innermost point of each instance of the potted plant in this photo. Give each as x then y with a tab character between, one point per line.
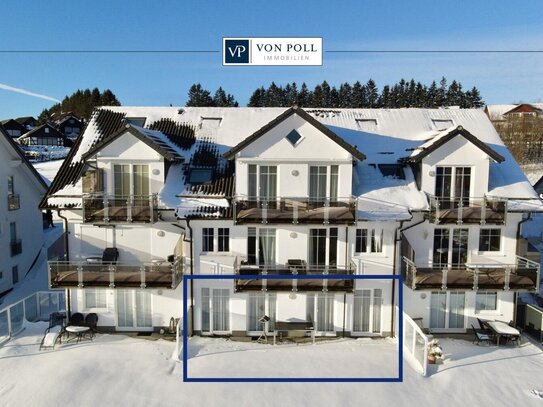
435	353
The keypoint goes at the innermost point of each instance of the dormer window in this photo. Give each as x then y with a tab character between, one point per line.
440	124
200	176
136	121
367	124
210	122
294	137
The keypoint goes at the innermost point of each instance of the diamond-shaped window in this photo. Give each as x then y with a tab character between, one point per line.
293	137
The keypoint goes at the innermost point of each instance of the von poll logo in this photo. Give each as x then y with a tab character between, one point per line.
236	51
272	51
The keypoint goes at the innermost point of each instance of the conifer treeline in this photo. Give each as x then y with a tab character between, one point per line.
358	95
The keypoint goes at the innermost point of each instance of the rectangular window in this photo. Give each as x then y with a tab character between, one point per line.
224	239
251	245
486	301
11	185
317	183
266	247
95	298
441	247
361	240
489	240
141	180
252	190
334	181
317	247
13	232
15	274
268	182
207	239
332	247
121	175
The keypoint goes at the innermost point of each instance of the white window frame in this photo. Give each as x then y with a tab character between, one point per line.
267	311
453	179
215	240
131	176
371	234
211	331
96	290
371	312
491	252
495	311
448	311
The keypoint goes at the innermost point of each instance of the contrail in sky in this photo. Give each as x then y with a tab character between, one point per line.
28	93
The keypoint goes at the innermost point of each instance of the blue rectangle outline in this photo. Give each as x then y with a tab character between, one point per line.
398	379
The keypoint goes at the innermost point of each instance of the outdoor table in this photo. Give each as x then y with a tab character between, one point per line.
78	331
298	326
502	329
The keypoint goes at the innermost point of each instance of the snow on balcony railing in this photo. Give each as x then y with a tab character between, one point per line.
35	307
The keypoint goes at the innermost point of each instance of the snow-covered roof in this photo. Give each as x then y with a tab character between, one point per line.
201	135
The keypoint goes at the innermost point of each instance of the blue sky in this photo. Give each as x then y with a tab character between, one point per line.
161	79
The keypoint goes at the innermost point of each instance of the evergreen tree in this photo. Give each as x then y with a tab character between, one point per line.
373	93
420	95
334	97
258	98
454	94
317	97
431	95
275	96
199	96
441	99
359	96
325	94
221	99
304	97
345	95
385	99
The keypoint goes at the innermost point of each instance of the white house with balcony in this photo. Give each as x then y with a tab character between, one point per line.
301	196
21	225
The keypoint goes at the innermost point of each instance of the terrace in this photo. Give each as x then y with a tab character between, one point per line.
80	274
484	210
523	275
99	208
292	271
340	211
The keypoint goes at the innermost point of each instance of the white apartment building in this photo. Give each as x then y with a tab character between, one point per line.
21	225
152	193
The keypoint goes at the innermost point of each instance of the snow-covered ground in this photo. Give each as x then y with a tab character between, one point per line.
533	172
115	370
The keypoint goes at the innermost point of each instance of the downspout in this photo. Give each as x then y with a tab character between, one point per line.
346	262
397	238
515	302
66	242
191	273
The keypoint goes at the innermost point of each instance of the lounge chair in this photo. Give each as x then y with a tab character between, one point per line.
481	337
54	332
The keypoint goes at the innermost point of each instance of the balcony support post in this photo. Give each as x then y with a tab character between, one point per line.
105	203
295	212
142	276
265	211
445	271
80	275
325	281
326	219
483	211
111	269
460	211
264	281
475	279
507	278
129	204
294	281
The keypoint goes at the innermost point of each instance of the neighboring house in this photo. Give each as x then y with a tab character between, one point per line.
500	113
44	135
13	128
432	194
28	121
21	189
68	124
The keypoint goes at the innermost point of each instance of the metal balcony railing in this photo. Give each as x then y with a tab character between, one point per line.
521	276
14	202
98	208
81	274
311	277
295	210
485	210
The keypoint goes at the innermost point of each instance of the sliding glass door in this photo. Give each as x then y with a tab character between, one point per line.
320	310
447	310
215	315
258	305
134	310
367	306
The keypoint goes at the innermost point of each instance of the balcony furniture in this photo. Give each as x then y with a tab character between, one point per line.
94	260
298	266
110	255
91	320
503	330
54	332
294	326
480	337
76	319
79	333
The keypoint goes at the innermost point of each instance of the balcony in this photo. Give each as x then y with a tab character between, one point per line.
339	211
16	247
293	269
522	276
14	202
81	274
120	209
481	211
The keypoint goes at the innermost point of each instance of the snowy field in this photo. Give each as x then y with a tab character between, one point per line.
48	169
116	370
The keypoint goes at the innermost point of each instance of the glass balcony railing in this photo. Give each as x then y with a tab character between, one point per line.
14	202
521	276
117	209
484	210
295	210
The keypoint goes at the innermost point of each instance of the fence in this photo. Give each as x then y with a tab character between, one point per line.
415	344
35	307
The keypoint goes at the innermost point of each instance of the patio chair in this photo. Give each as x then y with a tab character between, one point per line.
91	320
76	319
481	337
110	255
483	327
54	332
